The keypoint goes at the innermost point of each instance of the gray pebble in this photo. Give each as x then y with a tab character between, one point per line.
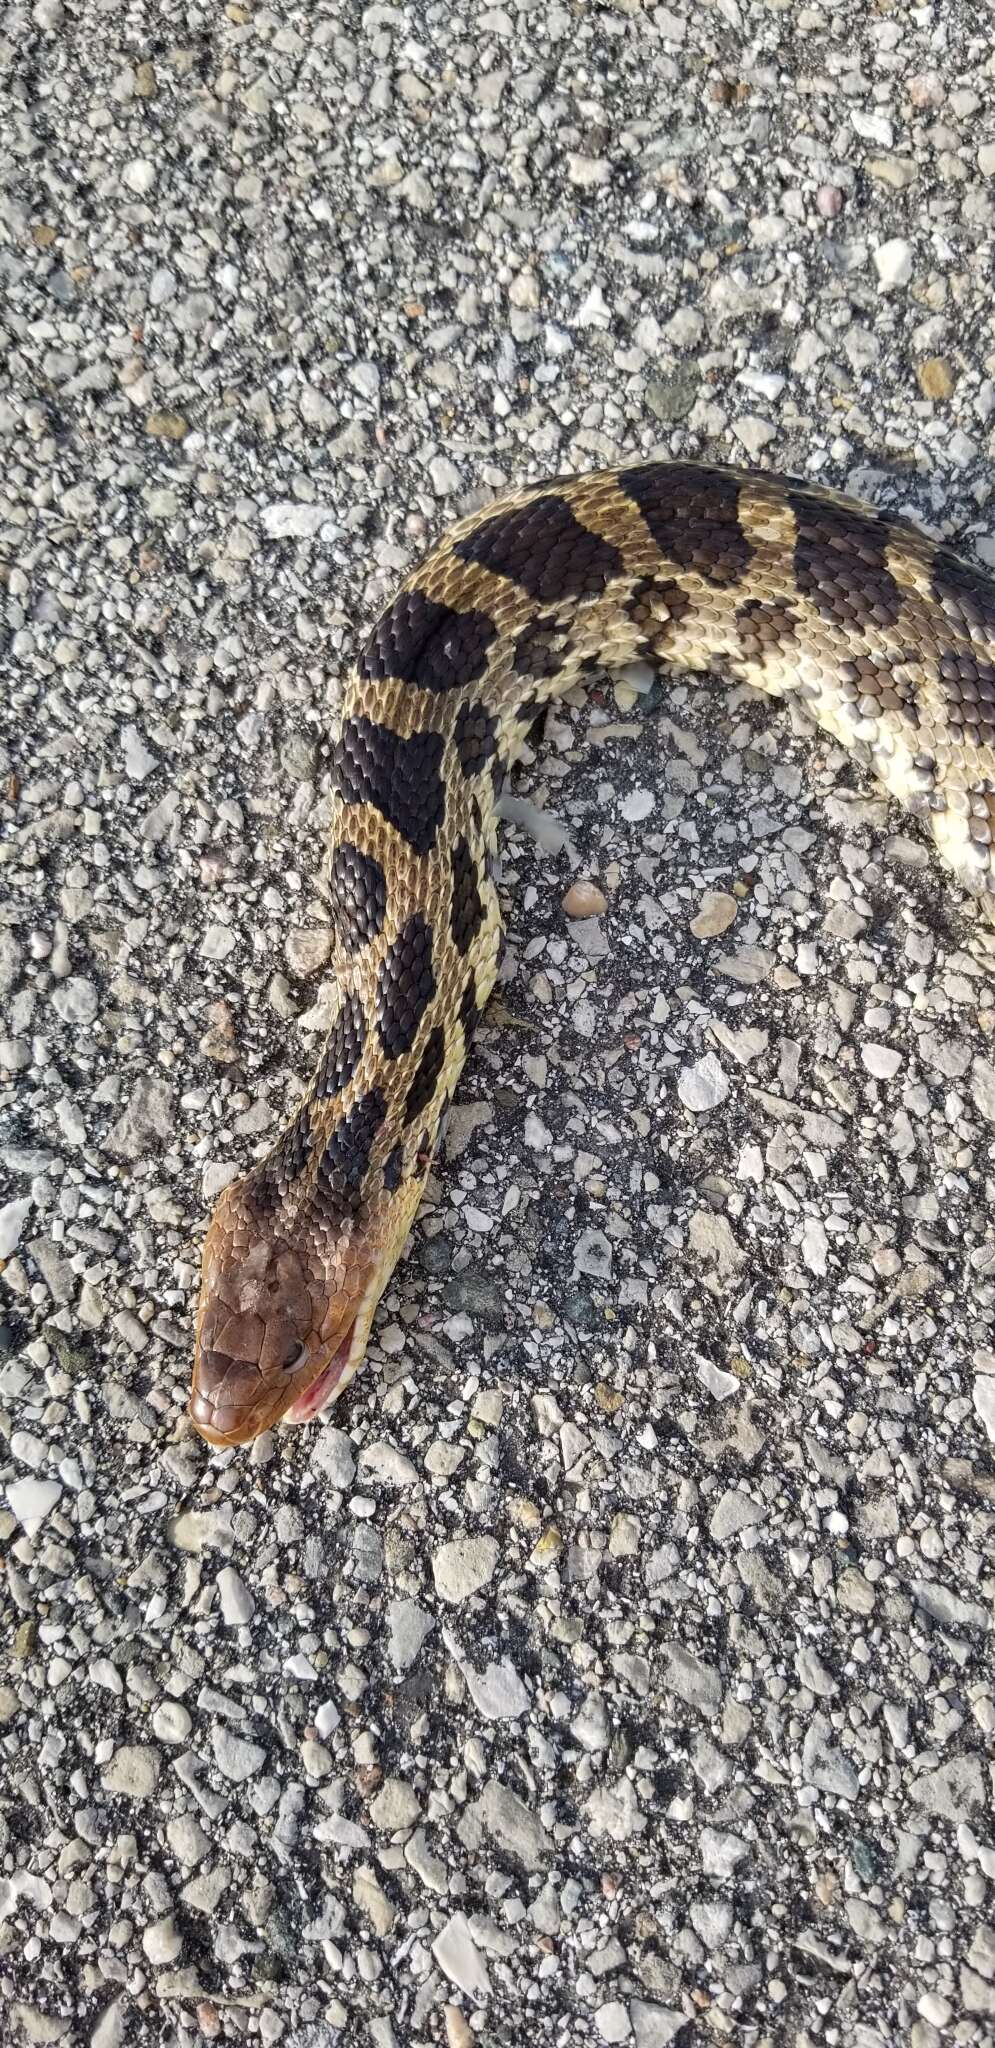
237	1603
409	1625
464	1567
76	1001
823	1762
235	1757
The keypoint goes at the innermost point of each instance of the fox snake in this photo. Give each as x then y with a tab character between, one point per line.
886	636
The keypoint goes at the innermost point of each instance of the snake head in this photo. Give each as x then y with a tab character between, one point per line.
283	1317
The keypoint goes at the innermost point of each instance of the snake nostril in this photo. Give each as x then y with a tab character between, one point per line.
296	1358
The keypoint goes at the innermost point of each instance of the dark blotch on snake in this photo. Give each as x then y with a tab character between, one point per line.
469	1015
345	1161
656	606
263	1190
965	594
294	1148
967	680
401	778
467	913
474	737
545	550
427	644
841	564
540	650
764	628
358	892
405	986
693	515
530	710
343	1048
426	1077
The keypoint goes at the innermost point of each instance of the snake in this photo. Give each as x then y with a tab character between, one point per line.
885	636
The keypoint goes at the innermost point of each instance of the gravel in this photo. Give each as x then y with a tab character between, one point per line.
616	1665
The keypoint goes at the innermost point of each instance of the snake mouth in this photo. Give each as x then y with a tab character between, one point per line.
328	1383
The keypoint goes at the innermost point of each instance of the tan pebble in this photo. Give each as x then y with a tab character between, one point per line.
608	1398
218	1042
548	1548
715	915
826	1886
896	171
524	1511
584	899
936	379
458	2033
626	698
167	426
306	951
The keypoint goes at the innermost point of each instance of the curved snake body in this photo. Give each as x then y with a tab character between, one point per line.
887	637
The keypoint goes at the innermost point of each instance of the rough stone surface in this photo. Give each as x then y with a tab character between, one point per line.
614	1662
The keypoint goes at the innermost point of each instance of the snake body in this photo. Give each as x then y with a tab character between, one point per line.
887	637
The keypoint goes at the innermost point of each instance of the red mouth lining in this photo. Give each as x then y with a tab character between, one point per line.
313	1400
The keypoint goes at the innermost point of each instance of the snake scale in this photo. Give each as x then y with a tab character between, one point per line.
887	637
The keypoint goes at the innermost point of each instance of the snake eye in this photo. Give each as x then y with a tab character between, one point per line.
296	1358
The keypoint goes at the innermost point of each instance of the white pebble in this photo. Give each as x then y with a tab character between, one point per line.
13	1217
721	1385
235	1757
172	1721
290	521
588	171
30	1500
445	476
464	1567
161	1942
612	2021
704	1085
637	805
753	431
893	263
880	1060
984	1402
384	1462
140	175
237	1604
138	761
593	1255
75	1000
536	1135
458	1957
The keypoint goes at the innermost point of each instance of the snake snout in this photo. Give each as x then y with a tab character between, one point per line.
243	1375
233	1399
